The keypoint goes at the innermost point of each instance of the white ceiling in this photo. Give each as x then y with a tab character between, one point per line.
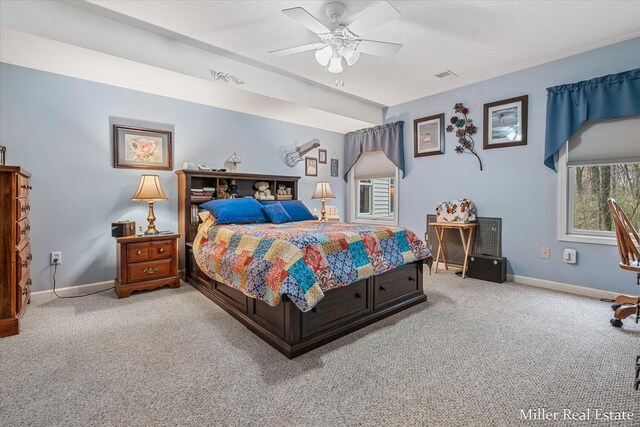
475	39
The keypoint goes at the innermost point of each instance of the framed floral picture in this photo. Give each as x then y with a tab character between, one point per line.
139	148
428	136
505	123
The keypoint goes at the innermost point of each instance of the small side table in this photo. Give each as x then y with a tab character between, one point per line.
146	262
440	227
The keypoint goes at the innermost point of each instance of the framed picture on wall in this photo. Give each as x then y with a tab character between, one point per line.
311	166
505	123
322	156
428	136
139	148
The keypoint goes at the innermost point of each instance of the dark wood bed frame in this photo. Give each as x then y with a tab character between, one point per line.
285	327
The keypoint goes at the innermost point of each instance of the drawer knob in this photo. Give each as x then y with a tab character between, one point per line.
161	250
358	295
28	207
382	288
29	282
29	187
24	208
24	231
29	257
150	270
25	291
25	264
28	228
139	253
411	279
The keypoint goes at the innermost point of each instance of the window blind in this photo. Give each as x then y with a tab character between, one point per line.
374	164
606	142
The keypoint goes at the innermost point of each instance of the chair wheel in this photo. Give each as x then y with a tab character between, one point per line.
616	323
614	307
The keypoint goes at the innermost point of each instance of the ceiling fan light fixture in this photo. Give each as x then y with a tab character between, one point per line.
335	65
323	56
351	55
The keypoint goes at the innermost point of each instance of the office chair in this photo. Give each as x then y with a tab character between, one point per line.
625	305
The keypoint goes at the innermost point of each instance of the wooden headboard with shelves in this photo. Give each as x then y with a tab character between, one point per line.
195	179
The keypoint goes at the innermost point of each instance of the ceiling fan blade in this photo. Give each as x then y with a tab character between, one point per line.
297	49
377	48
308	20
378	15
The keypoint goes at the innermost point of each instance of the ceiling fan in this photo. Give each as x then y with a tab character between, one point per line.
343	40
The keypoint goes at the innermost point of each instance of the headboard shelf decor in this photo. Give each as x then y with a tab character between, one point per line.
195	187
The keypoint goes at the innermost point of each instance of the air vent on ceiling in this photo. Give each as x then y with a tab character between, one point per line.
447	73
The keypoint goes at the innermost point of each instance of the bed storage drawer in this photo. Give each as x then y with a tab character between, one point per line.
338	306
394	284
231	295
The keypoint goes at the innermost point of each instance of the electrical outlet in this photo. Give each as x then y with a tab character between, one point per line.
56	258
544	252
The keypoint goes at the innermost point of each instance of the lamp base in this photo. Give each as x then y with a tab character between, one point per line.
151	229
323	211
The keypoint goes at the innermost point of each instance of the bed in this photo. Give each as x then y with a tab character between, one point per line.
300	285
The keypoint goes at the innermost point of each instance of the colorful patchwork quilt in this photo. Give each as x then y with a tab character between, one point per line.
301	259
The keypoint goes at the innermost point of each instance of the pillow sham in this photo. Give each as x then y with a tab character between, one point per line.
235	211
295	208
276	213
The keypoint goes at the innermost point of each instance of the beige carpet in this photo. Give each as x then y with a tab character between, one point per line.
476	353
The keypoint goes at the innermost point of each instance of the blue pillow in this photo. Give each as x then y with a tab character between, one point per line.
235	211
296	209
276	213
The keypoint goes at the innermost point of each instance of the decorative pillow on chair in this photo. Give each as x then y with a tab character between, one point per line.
295	208
235	211
276	213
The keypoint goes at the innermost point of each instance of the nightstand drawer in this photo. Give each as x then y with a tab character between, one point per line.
161	249
137	252
151	270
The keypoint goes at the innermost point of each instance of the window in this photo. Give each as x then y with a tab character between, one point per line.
602	160
373	189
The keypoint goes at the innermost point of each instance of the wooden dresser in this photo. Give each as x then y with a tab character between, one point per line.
146	262
15	249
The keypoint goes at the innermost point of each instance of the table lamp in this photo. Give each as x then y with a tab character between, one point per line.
149	191
323	191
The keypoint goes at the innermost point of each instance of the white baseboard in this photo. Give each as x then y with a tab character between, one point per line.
555	286
562	287
70	291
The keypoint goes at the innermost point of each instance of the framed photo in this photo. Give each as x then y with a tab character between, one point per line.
334	167
322	156
505	123
428	136
310	166
138	148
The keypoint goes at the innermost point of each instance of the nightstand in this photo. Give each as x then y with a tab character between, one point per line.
146	262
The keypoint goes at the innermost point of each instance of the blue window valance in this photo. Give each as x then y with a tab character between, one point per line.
388	138
604	98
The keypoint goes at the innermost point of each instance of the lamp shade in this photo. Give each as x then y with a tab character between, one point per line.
323	191
149	189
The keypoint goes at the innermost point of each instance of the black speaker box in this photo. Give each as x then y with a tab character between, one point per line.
486	267
123	228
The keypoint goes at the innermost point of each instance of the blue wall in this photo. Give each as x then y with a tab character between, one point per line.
515	184
57	128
